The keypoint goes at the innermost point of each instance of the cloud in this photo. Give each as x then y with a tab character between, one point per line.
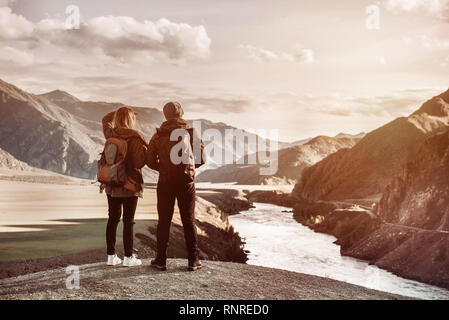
445	62
434	46
426	41
431	6
18	57
218	104
14	27
445	12
298	55
259	54
396	104
437	8
434	42
6	3
381	60
155	94
119	37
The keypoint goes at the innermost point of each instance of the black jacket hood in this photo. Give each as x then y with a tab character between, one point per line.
172	124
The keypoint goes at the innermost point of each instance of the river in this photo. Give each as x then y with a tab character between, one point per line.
274	239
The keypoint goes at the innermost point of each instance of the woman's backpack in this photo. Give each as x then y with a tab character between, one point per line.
112	167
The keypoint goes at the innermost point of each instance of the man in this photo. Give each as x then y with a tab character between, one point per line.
171	152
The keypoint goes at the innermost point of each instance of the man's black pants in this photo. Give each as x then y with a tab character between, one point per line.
115	212
166	195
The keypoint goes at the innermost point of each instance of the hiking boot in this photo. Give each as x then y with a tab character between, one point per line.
194	264
132	261
159	264
113	260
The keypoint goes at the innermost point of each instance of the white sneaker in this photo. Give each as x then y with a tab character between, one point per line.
113	260
131	261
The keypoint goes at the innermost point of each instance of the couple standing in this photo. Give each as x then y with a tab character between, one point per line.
176	181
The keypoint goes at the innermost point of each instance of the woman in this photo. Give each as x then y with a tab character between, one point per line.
120	124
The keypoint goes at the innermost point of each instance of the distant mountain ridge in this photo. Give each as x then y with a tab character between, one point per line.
222	127
368	167
291	162
348	135
249	143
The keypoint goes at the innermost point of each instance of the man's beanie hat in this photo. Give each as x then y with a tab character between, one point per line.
173	110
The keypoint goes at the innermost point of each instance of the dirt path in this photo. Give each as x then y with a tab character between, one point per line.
217	280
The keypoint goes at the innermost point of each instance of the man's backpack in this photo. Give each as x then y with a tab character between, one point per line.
112	167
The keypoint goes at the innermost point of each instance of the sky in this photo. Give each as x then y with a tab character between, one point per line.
302	67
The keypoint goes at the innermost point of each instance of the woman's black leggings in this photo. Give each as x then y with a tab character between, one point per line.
115	211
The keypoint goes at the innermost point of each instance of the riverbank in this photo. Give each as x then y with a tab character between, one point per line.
216	280
361	234
274	239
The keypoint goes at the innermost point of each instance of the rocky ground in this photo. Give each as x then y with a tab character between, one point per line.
217	280
280	198
411	253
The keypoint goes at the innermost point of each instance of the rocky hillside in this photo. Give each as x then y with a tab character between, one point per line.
7	161
216	281
90	113
418	196
38	132
291	162
368	167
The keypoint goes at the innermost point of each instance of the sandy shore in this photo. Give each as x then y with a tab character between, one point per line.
46	225
26	206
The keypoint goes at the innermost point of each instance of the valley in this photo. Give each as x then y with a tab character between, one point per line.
383	195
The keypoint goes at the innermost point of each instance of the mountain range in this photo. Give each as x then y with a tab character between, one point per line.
58	132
